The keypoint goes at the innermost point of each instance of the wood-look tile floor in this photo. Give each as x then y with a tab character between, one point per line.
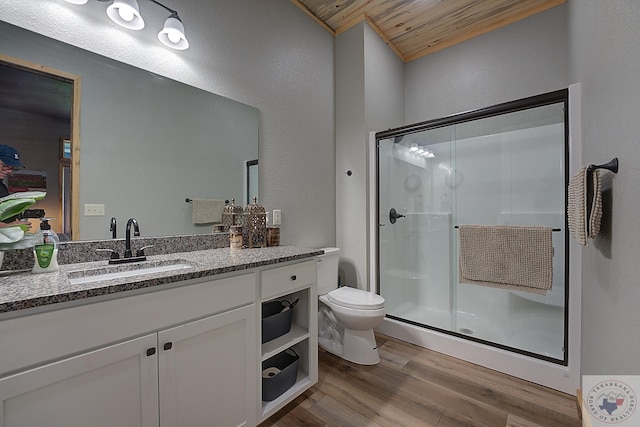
413	386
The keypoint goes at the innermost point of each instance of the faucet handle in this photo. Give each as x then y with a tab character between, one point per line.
140	252
114	254
113	227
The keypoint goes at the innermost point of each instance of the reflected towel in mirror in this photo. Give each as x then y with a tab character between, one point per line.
207	211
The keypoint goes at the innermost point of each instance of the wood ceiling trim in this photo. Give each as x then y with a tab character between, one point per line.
415	28
357	20
314	17
384	38
353	21
481	28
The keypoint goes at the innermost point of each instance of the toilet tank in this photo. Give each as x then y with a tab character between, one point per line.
328	270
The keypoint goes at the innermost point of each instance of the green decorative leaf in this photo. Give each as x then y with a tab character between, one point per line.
35	195
13	207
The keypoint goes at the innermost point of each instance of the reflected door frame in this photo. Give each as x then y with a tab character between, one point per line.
74	163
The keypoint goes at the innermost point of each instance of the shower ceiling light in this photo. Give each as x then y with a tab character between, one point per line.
421	151
126	13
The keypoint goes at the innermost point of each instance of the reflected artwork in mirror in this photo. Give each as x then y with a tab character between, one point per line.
141	143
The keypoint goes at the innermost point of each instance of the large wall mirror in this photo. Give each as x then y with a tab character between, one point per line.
140	143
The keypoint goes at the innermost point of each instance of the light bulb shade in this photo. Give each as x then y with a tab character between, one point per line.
126	13
172	34
77	1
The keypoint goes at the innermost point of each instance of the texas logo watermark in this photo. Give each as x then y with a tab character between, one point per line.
610	400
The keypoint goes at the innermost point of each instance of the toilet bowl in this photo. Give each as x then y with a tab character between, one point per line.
346	316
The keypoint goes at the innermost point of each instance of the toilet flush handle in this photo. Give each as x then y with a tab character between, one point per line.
293	277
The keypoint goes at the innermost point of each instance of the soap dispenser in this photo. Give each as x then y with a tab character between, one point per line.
45	250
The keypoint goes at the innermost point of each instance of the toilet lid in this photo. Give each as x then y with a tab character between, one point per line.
356	298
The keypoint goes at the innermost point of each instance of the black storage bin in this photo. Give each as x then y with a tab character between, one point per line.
276	322
273	385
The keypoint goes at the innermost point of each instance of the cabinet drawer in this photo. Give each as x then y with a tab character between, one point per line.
280	280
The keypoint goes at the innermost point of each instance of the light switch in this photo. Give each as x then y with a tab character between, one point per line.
277	217
93	210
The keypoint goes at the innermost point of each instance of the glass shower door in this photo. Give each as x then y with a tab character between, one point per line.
503	169
415	204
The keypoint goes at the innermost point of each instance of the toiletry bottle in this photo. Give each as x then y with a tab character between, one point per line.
45	251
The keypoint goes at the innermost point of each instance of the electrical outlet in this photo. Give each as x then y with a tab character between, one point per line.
93	210
277	217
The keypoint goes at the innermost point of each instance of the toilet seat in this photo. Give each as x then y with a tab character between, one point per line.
356	299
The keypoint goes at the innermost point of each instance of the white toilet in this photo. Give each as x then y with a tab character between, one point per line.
346	316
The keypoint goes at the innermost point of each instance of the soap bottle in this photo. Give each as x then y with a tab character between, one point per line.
45	251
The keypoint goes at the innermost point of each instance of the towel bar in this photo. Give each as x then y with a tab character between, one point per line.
553	229
611	165
188	200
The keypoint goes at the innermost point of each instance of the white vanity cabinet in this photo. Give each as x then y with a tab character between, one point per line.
113	386
203	375
197	373
189	355
291	282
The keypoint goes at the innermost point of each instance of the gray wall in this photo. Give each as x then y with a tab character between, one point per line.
525	58
268	55
376	91
351	204
369	97
604	49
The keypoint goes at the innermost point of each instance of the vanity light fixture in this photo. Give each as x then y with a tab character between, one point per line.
126	13
172	34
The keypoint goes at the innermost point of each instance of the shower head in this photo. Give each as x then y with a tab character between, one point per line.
397	139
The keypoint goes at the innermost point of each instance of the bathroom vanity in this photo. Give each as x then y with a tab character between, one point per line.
162	348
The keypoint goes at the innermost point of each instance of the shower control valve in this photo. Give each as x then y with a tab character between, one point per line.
394	215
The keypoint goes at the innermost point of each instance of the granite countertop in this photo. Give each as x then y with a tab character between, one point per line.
25	290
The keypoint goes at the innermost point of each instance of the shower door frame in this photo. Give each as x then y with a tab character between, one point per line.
571	361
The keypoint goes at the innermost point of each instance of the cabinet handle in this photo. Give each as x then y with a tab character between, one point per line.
167	345
151	351
293	277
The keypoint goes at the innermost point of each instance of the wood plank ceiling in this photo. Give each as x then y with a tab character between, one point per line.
415	28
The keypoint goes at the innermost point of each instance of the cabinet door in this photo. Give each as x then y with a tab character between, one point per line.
208	371
112	386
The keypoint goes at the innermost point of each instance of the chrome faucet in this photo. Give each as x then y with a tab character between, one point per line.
136	232
113	228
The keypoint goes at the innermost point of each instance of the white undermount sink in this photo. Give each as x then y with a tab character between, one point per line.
125	270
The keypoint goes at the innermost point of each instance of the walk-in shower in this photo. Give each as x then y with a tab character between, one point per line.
502	165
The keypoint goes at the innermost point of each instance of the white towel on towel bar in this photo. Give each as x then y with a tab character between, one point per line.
207	211
507	257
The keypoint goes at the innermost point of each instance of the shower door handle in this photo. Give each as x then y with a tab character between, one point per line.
394	215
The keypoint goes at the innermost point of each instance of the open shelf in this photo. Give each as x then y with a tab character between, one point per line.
303	335
302	383
275	346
